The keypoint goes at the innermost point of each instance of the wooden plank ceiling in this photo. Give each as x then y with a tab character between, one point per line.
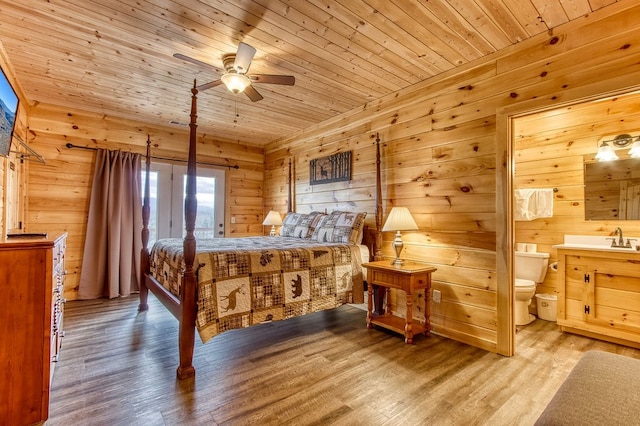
115	57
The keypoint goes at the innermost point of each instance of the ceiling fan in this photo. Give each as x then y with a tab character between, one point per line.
234	75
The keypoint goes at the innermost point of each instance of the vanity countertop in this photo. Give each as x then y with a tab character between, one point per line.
606	249
598	243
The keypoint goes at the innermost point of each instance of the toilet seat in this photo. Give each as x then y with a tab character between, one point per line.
524	284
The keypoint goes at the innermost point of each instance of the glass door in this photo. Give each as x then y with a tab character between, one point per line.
167	185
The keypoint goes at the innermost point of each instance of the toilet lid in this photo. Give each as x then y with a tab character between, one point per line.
524	283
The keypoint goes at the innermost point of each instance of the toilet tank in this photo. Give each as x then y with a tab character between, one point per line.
531	266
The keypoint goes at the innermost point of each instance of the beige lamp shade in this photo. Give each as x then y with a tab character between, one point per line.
399	219
274	219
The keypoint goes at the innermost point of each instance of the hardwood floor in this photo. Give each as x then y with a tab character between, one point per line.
117	367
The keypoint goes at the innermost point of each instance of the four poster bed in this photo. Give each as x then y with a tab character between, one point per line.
223	284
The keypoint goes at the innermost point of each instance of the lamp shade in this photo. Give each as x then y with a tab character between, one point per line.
400	219
273	218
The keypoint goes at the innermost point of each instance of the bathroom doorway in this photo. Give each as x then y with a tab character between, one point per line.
549	149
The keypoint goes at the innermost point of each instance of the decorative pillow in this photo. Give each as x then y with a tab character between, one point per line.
289	224
340	227
308	224
300	225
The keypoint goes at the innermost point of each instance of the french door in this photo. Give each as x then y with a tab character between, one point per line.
167	185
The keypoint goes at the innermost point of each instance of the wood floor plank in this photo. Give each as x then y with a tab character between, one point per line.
117	367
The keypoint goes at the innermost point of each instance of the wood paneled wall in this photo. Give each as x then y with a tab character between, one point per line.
441	159
59	191
550	150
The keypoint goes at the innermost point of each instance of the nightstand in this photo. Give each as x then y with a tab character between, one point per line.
410	277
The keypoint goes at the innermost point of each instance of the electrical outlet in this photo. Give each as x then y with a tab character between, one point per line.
233	219
437	296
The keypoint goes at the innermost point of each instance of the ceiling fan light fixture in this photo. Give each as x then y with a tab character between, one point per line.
235	78
235	82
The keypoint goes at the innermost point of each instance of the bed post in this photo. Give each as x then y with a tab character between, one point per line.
290	190
377	255
378	291
144	252
188	287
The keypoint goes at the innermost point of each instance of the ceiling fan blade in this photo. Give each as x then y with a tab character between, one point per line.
243	58
252	93
197	62
287	80
209	85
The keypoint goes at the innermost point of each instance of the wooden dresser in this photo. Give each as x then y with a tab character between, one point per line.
31	312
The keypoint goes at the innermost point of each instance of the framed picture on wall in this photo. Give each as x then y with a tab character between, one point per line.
334	168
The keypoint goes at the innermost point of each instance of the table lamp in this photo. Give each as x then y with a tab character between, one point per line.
399	219
274	219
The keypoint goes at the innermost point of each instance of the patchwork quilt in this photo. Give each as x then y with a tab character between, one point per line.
246	281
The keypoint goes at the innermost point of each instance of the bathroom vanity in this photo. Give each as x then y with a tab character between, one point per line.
599	292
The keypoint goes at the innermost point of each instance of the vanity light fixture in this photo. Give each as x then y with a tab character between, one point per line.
606	153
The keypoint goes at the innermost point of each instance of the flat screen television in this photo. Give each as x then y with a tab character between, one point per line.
8	110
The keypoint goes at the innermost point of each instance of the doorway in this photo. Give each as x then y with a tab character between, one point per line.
550	148
167	185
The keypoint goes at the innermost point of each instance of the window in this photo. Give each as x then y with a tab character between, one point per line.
167	185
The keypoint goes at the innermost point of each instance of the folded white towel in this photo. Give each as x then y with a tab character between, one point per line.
532	203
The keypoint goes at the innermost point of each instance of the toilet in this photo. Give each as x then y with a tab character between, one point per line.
530	269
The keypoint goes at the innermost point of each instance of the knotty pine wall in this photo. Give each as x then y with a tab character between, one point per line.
58	192
444	156
550	148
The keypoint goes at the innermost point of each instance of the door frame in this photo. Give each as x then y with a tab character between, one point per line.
505	161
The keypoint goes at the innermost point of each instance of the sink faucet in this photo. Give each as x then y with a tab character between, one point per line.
618	231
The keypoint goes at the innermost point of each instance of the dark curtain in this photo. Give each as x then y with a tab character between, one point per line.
111	258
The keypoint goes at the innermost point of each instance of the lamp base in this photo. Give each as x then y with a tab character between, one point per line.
397	245
273	231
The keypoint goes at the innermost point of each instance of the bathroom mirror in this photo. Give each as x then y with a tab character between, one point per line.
612	189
